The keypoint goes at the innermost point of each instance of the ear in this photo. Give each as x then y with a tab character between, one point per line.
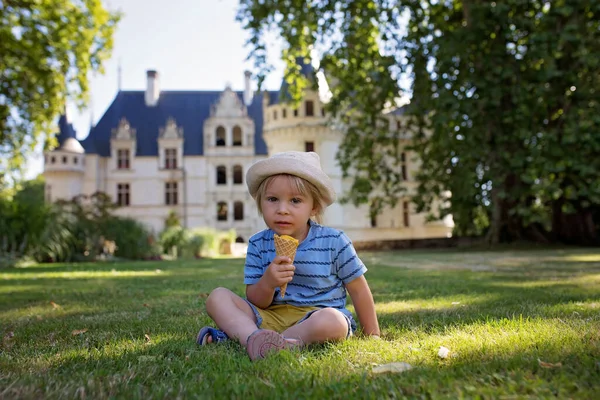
314	211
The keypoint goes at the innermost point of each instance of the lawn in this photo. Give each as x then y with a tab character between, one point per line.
518	324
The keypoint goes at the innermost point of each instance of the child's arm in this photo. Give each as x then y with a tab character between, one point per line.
280	271
361	296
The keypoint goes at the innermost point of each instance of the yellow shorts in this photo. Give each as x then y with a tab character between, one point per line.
279	317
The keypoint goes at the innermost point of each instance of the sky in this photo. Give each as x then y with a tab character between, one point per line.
193	44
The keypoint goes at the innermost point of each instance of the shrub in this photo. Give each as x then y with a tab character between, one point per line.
133	239
193	243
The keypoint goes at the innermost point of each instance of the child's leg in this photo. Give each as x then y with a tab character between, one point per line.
327	324
231	313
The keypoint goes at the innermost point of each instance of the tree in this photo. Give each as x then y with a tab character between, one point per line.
370	152
47	51
504	110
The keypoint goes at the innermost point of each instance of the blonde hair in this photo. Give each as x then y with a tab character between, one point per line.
302	186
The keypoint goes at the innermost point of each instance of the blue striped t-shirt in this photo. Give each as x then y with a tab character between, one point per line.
325	261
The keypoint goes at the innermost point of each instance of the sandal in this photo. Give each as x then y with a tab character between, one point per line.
262	342
218	336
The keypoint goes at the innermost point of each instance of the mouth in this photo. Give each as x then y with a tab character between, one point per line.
282	223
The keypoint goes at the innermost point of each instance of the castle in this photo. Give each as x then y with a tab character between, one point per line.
157	152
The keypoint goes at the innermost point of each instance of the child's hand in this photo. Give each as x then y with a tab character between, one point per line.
280	271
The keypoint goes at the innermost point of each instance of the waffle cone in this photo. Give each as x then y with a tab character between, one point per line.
285	246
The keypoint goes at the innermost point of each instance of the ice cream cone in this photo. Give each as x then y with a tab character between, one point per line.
285	246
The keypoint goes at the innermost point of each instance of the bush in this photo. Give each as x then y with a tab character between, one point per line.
212	240
57	242
194	243
133	239
173	237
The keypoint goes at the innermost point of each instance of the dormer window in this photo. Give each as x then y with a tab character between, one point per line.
123	159
170	158
284	113
237	136
309	108
220	136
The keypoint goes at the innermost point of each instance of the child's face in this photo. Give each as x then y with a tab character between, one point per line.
285	210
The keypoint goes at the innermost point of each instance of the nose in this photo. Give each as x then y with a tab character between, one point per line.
282	208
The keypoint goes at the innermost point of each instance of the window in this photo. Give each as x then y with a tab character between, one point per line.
405	213
239	239
309	146
373	221
220	136
64	159
222	211
309	108
398	125
274	115
221	175
123	194
48	194
284	113
171	158
237	136
52	160
171	193
322	111
75	160
403	166
122	159
238	211
295	112
237	175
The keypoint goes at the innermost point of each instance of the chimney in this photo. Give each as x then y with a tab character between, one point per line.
247	89
152	88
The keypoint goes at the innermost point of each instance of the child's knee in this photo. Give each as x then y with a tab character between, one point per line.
334	321
216	296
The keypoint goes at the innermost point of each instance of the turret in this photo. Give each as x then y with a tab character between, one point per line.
64	166
304	128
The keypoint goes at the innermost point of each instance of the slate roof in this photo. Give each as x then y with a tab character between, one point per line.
306	69
66	130
189	109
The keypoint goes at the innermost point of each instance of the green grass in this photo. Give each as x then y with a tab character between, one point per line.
500	313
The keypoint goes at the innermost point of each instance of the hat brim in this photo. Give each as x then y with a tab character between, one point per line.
263	169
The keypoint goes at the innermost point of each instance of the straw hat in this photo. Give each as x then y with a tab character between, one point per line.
306	165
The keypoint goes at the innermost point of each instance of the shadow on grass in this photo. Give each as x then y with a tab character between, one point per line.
427	294
177	367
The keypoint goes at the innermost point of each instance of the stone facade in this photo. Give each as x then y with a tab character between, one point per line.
206	187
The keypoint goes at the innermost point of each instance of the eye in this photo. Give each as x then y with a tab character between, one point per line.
296	200
271	199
